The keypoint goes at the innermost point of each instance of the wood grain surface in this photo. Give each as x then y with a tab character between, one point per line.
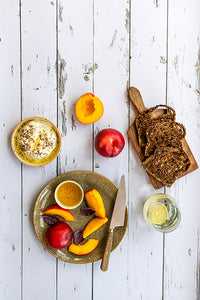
52	52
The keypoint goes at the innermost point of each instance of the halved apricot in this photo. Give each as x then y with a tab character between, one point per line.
95	201
94	225
59	211
89	109
85	248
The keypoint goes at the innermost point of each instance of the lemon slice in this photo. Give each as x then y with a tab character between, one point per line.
158	213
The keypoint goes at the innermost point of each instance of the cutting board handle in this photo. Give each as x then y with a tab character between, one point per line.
136	99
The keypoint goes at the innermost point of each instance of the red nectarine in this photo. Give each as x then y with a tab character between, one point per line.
59	235
109	142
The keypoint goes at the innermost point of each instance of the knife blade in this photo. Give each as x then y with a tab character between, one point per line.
117	220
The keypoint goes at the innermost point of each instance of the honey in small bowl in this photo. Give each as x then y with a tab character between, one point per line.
69	194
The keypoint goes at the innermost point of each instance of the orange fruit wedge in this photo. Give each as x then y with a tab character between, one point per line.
95	201
59	211
94	225
85	248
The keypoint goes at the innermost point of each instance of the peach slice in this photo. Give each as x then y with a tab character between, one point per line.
59	211
94	225
85	248
88	109
95	201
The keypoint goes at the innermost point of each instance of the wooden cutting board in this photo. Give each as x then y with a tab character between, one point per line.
135	97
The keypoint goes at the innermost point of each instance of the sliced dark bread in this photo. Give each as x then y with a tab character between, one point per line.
165	134
166	164
145	119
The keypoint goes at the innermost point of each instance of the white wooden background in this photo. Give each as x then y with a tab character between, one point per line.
51	52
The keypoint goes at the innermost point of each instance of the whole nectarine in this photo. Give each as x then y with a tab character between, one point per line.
59	235
109	142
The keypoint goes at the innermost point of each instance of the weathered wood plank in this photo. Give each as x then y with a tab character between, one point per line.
75	77
10	183
111	55
181	277
148	74
38	99
98	64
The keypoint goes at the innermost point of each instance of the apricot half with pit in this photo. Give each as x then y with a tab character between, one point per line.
89	109
83	249
59	211
94	200
94	225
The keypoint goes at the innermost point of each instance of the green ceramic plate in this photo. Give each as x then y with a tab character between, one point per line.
88	180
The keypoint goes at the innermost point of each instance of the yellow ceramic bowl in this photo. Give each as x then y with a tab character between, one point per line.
22	156
69	194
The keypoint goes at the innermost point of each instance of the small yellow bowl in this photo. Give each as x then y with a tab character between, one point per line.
27	160
69	194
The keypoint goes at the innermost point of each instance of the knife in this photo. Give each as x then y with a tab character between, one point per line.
117	219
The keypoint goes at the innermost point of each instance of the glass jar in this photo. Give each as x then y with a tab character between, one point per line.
162	213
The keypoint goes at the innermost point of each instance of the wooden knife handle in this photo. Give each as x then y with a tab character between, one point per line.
108	248
136	99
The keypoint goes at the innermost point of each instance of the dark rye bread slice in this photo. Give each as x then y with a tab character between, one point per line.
166	164
146	118
165	134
